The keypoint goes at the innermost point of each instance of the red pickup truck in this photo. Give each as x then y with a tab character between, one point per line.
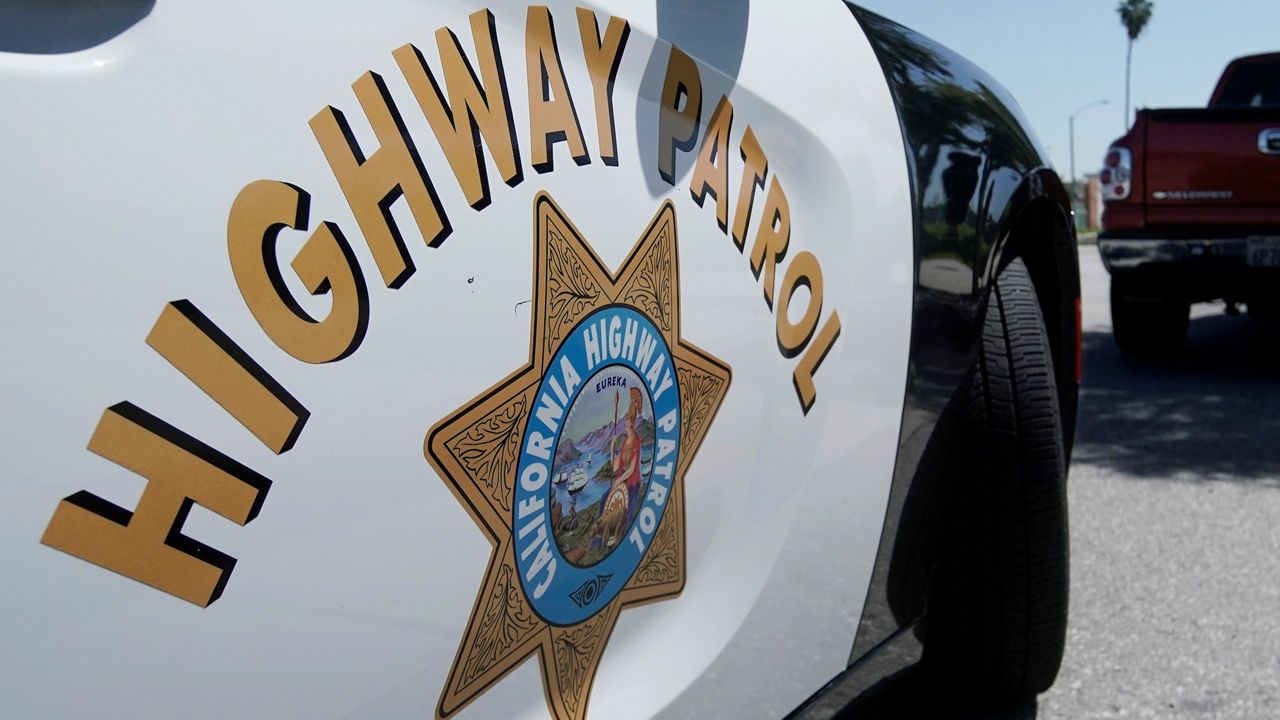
1192	211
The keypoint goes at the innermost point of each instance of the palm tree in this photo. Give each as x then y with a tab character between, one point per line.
1134	15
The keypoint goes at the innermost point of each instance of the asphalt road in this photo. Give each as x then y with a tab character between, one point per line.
1175	524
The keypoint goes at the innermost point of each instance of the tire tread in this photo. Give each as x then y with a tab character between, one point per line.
1002	619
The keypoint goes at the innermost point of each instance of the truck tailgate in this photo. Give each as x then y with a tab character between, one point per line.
1206	167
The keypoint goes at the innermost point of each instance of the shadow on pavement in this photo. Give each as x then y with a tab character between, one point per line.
1211	412
909	695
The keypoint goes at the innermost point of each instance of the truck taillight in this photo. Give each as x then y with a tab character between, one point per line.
1117	173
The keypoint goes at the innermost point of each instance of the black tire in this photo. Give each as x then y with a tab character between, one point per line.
1147	325
996	624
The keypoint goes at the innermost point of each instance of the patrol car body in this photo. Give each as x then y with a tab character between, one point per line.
315	310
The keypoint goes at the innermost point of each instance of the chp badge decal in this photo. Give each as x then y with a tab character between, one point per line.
573	465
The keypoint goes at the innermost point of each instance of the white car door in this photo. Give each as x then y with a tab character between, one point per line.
487	328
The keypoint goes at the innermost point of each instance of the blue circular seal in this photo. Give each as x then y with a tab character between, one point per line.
597	463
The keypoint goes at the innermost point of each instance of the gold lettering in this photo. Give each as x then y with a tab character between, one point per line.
772	238
711	169
325	264
473	110
552	116
200	350
803	270
802	378
604	57
147	544
372	184
678	125
755	166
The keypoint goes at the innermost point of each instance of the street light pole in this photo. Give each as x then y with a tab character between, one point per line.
1071	129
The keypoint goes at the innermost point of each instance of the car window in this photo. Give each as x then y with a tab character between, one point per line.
1254	84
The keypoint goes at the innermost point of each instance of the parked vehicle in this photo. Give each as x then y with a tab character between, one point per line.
1192	208
609	361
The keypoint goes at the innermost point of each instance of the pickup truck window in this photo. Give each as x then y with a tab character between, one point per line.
1255	84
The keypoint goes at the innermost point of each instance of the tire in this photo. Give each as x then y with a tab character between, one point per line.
1147	326
996	624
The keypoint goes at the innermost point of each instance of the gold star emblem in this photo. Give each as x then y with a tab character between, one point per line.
497	453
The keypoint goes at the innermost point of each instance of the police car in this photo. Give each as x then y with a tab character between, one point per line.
611	361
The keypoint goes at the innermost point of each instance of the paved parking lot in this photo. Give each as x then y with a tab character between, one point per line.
1175	512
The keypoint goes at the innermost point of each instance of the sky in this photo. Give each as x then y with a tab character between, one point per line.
1056	57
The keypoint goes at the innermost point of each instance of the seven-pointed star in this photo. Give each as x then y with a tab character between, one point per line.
476	451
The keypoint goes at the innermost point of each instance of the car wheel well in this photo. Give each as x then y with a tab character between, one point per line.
1043	238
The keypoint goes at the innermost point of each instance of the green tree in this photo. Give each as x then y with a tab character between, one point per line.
1134	15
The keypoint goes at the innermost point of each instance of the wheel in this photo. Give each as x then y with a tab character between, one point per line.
1146	326
996	623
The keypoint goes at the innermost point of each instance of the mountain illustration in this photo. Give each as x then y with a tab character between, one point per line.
645	430
598	439
566	452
